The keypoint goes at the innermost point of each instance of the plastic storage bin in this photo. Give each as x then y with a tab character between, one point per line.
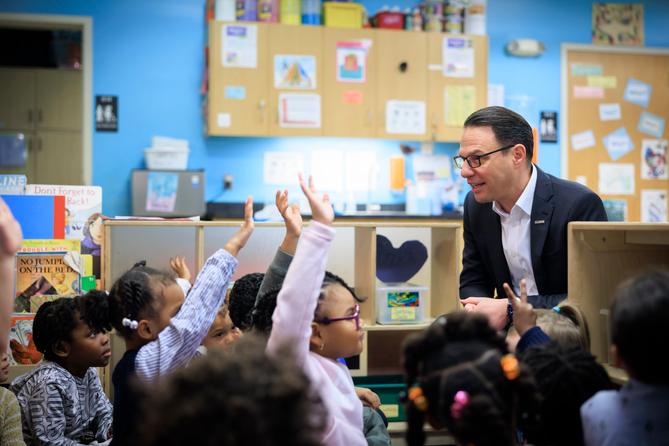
343	15
166	158
389	20
388	388
400	303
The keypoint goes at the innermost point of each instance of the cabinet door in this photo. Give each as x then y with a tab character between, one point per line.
452	99
57	158
401	84
59	99
296	80
349	71
17	99
238	80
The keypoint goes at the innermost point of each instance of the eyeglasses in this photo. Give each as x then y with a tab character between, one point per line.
474	161
355	316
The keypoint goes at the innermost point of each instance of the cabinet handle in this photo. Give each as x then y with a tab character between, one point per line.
30	144
262	104
369	117
30	116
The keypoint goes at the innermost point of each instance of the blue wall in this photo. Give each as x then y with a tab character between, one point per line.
150	54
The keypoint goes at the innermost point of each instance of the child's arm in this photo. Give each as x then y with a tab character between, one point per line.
45	416
103	408
177	343
525	319
178	265
276	272
298	297
11	433
10	242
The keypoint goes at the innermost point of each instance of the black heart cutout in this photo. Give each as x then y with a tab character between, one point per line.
398	264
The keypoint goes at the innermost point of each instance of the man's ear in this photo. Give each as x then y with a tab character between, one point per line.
519	154
145	330
62	349
316	341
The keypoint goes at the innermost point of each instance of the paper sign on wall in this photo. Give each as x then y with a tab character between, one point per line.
360	171
299	110
586	69
654	205
405	117
585	92
616	179
161	193
239	46
328	167
583	140
295	72
458	57
651	124
654	159
609	112
602	81
638	92
459	103
236	92
618	143
616	210
281	168
352	61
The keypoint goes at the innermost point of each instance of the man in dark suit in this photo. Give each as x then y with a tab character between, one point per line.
515	217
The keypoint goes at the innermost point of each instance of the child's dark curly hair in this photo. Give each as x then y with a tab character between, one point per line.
239	397
462	352
55	321
329	280
242	298
566	377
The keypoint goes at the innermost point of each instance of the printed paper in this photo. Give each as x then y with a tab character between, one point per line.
617	24
459	103
281	168
496	95
586	69
586	92
361	171
653	205
236	92
161	194
616	179
327	166
352	61
583	140
223	120
294	72
603	81
651	124
618	143
458	57
299	110
239	46
609	112
616	210
638	92
405	117
654	159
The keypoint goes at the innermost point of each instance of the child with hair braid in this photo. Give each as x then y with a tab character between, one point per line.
162	331
460	376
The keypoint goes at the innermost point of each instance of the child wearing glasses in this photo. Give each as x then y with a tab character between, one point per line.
321	318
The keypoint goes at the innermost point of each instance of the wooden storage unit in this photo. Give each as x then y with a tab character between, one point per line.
130	241
603	255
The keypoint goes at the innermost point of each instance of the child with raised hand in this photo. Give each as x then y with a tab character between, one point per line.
10	242
162	331
639	412
62	401
10	411
180	268
323	324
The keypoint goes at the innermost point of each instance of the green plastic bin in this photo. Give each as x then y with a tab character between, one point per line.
388	387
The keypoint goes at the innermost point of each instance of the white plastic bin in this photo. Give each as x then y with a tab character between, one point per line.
400	303
166	158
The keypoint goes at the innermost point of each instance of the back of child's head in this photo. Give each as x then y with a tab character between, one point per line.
456	366
566	377
134	296
639	316
565	324
242	298
261	316
237	397
56	320
330	280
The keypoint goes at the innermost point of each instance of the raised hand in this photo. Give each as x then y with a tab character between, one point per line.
238	241
524	316
292	220
179	266
321	209
10	232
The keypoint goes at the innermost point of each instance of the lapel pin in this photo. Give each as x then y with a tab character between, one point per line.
539	222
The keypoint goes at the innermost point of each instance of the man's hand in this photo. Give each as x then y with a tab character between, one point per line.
321	209
368	397
493	309
292	220
524	316
238	241
178	265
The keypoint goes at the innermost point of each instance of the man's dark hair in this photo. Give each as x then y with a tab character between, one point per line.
239	397
508	126
639	316
242	298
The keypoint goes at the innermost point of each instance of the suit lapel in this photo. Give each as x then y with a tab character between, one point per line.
542	210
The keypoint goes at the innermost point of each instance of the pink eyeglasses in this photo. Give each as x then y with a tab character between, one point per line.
355	316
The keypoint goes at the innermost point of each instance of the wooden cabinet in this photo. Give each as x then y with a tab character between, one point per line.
58	99
349	107
17	99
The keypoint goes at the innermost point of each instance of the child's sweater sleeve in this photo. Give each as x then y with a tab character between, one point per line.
10	420
177	343
296	302
103	408
276	272
44	416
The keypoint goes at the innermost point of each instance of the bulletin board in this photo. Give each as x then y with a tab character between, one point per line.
615	103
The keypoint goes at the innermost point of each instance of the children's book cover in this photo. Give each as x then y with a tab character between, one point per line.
43	274
21	344
40	217
13	184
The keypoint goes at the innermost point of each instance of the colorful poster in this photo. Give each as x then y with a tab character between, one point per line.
617	24
294	72
21	343
616	179
618	143
299	110
459	103
651	124
161	193
638	92
239	46
43	274
616	210
654	205
654	159
352	61
458	57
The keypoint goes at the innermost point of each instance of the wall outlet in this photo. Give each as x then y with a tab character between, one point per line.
227	182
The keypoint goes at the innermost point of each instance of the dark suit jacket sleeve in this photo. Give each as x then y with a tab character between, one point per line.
589	207
474	282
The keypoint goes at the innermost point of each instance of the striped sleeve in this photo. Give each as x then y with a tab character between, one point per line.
177	343
103	408
11	433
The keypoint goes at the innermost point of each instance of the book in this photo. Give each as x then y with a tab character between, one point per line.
21	344
40	216
13	184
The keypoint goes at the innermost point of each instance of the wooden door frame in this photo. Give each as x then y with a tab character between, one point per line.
85	24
